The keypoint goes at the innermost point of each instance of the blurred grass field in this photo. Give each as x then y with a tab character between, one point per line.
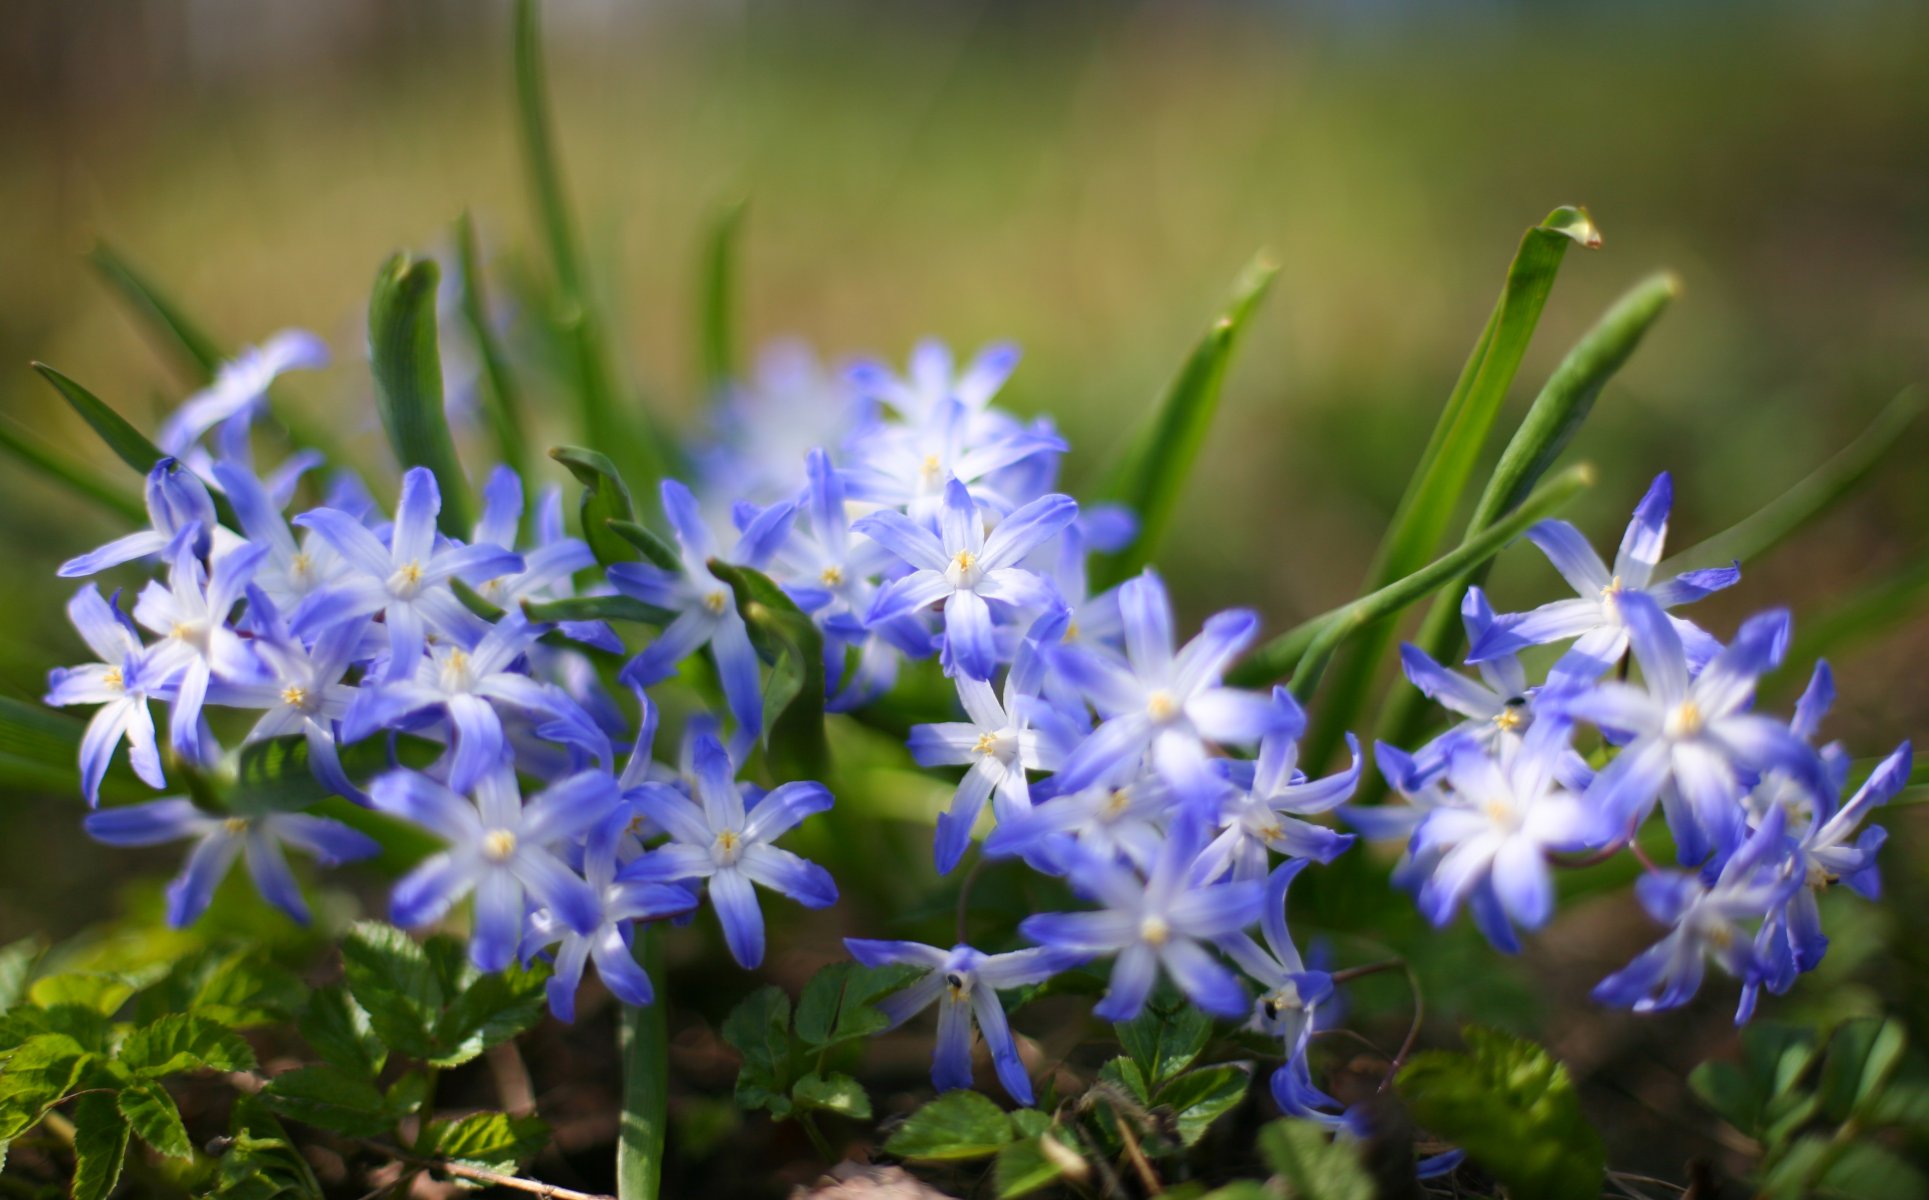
1086	179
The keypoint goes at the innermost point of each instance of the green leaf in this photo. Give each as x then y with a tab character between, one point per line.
504	396
1023	1167
1816	494
491	1140
1305	648
76	477
759	1027
17	961
1165	1038
151	1112
794	693
329	1097
1201	1097
390	977
653	548
1869	613
1863	1056
1513	1108
606	498
1314	1165
261	1163
339	1031
595	608
1433	496
490	1008
957	1125
37	1076
100	991
1867	1170
1153	472
407	365
184	1042
718	299
1128	1075
1550	425
100	1146
197	353
838	1005
836	1093
129	444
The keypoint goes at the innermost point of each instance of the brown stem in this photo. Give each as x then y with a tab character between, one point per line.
1413	1030
1141	1166
534	1187
513	1085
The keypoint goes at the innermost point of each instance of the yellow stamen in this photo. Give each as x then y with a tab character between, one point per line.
1160	706
499	844
1153	931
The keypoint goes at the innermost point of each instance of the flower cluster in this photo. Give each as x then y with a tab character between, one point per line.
909	519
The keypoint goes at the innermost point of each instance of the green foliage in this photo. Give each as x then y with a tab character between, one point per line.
38	1075
790	641
503	396
259	1161
129	444
1198	1098
759	1028
184	1042
76	477
606	499
331	1097
1512	1107
100	1146
407	363
784	1064
1153	472
493	1141
427	1002
717	299
151	1113
341	1032
174	332
834	1093
1313	1164
1165	1038
957	1125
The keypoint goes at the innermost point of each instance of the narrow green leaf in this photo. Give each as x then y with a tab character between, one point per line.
1038	1161
643	1042
505	396
794	694
606	498
1551	423
407	365
1749	539
834	1093
493	1141
184	1042
151	1112
1314	1164
129	444
957	1125
1433	496
1316	638
1869	613
100	1146
717	299
328	1097
26	448
1153	472
654	548
595	608
172	330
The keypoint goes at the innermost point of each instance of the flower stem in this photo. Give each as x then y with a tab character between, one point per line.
643	1041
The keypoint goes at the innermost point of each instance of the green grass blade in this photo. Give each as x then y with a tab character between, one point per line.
1872	612
1287	652
25	448
1433	497
718	300
197	353
505	397
790	641
1153	471
643	1044
407	365
1557	413
129	444
606	499
654	548
1749	539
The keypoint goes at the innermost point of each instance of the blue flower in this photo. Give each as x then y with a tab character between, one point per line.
1597	618
302	690
1161	921
197	645
1124	823
547	566
964	983
1162	704
238	393
704	606
1290	997
406	581
620	903
1497	709
766	425
1709	921
127	676
1696	734
218	840
499	848
176	498
288	571
1266	812
964	568
932	380
718	838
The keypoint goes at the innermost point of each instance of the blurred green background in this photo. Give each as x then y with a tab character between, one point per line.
1086	179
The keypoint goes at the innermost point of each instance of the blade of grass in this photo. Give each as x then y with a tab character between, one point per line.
718	300
24	447
505	398
1433	496
1152	473
1775	521
129	444
176	334
625	436
643	1045
1872	612
1557	413
407	364
1286	652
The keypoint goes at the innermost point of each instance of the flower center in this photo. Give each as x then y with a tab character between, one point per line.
1161	707
455	671
1512	717
1154	931
235	826
714	601
930	467
1283	999
406	580
1685	721
114	679
729	848
301	567
833	576
959	984
963	571
1071	631
1116	804
194	633
987	744
1818	877
1500	813
498	845
295	696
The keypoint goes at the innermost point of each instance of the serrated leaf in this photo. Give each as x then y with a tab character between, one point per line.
834	1093
340	1032
493	1141
957	1125
1314	1165
37	1075
100	1146
1198	1098
794	693
1152	474
1512	1107
184	1042
152	1114
100	991
406	361
261	1163
390	977
330	1098
759	1027
1164	1039
606	499
91	1029
491	1008
838	1004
